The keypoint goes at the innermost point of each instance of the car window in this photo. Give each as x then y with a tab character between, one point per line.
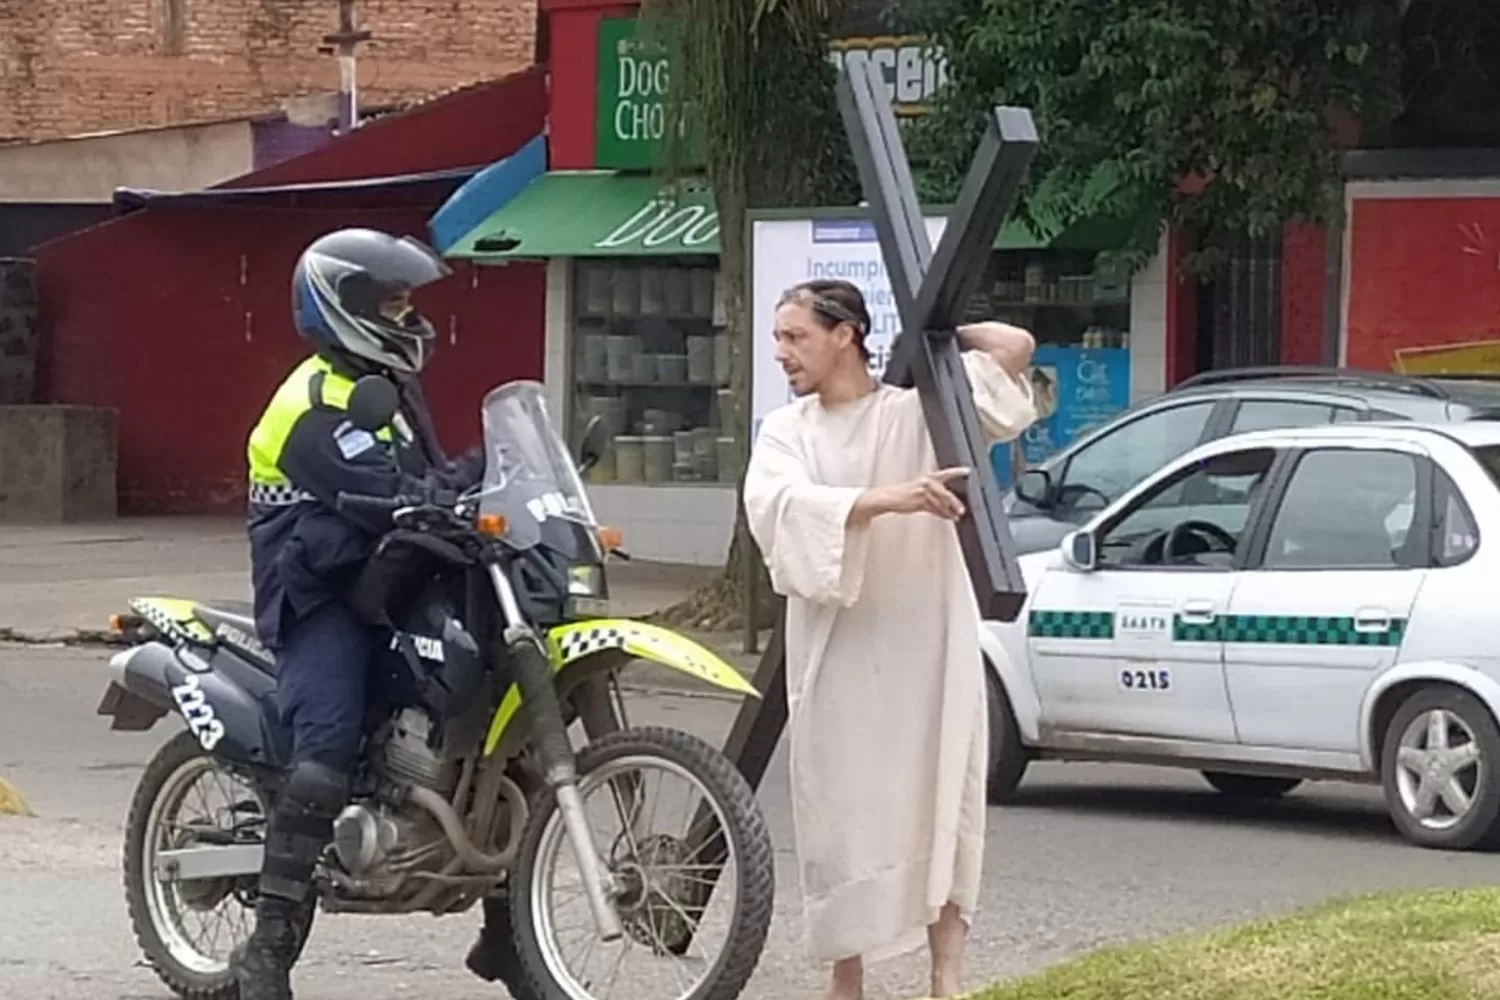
1208	528
1105	468
1345	508
1489	459
1455	533
1269	414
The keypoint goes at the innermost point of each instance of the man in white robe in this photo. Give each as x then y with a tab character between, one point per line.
888	730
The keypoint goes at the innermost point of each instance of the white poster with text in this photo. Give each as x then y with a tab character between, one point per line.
785	252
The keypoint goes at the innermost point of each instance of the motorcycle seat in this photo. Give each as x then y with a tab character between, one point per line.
233	622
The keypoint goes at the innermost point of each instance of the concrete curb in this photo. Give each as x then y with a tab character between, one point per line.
58	637
11	802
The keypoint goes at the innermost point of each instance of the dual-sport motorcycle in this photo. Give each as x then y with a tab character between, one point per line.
470	785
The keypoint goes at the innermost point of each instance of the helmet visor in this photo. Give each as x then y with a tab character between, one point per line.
405	266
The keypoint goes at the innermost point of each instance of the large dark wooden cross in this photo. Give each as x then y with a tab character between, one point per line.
932	289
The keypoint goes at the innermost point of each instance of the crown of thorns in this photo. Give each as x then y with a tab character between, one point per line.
825	307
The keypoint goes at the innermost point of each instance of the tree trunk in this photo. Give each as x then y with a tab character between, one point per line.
724	603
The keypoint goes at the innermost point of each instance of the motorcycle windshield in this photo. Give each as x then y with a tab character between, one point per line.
530	478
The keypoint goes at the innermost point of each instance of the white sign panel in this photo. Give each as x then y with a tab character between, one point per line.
785	252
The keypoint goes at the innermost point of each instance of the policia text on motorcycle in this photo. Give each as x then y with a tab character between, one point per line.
351	301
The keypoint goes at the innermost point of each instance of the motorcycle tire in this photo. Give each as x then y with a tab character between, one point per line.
180	751
750	839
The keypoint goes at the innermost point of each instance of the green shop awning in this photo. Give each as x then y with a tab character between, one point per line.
602	213
597	213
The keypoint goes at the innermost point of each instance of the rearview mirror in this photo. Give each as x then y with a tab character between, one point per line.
373	403
1079	551
1035	487
595	441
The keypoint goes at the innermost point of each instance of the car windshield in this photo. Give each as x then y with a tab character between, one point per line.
529	475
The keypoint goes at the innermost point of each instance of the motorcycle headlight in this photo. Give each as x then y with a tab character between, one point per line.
585	581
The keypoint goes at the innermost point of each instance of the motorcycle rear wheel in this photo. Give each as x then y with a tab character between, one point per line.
749	851
156	909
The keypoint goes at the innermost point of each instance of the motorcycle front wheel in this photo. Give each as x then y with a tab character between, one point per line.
665	882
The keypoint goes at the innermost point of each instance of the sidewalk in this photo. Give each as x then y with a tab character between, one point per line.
61	583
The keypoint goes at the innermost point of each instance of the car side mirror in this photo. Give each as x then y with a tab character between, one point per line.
1080	552
1035	487
373	403
595	441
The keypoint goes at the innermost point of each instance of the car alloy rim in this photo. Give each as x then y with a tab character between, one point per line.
1439	769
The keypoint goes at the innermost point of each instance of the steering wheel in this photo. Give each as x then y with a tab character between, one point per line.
1203	529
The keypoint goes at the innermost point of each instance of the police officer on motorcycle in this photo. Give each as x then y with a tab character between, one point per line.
351	300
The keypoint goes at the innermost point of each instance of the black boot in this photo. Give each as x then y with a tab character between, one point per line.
493	957
301	825
264	969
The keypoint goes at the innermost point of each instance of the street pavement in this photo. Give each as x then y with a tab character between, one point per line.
1092	855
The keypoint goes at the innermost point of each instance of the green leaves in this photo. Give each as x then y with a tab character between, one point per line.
1215	115
753	79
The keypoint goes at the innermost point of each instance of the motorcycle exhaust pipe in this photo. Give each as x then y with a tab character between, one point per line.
453	828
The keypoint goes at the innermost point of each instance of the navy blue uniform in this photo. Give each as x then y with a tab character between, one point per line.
305	553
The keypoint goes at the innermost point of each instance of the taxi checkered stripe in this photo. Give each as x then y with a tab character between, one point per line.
1307	630
584	641
1072	624
1285	630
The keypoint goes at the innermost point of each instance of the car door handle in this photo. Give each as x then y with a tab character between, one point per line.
1198	612
1371	621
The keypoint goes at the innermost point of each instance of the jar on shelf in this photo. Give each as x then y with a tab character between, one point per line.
658	458
596	296
626	290
621	352
672	368
653	285
702	280
700	359
645	368
679	291
629	459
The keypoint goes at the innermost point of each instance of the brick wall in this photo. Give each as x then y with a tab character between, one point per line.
71	66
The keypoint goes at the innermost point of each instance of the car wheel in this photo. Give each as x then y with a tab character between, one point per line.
1438	768
1008	758
1250	786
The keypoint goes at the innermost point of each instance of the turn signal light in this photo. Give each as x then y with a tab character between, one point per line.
493	525
611	539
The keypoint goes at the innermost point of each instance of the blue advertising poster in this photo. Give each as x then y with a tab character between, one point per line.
1076	389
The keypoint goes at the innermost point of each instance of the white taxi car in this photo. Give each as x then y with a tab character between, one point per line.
1275	607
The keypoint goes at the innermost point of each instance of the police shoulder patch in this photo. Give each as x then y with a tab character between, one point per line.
353	441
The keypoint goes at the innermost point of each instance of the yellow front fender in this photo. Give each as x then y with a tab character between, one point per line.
570	644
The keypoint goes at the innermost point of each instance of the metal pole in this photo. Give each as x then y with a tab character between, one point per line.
346	43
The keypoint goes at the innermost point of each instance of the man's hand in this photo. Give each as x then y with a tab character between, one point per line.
927	495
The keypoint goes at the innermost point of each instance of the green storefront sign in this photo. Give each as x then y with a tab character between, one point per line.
631	110
634	77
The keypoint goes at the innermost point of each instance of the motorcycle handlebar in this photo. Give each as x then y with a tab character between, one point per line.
356	501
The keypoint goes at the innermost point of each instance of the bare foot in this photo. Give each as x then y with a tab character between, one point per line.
848	980
946	939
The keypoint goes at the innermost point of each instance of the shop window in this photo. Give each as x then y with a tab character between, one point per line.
651	355
1078	308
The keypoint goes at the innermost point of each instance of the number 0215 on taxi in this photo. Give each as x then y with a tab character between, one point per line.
1145	679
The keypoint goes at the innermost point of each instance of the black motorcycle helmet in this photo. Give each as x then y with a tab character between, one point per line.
350	297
